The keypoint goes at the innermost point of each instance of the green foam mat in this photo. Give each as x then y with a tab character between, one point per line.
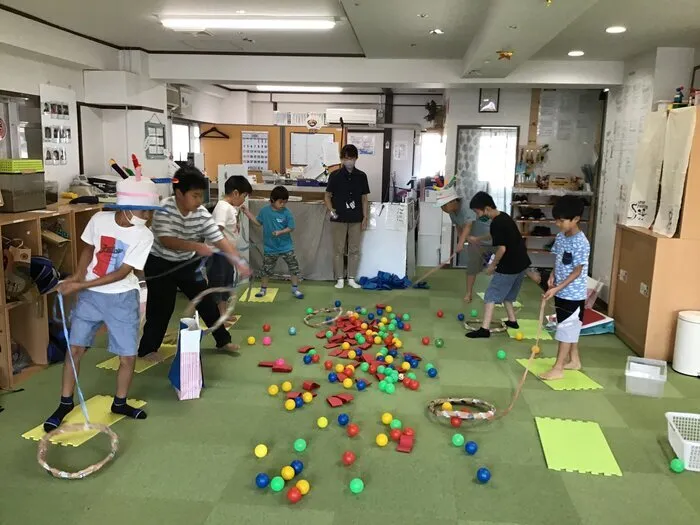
529	329
576	446
573	379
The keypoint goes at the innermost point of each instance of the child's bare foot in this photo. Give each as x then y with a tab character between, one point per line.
535	276
552	375
231	347
156	357
468	298
571	365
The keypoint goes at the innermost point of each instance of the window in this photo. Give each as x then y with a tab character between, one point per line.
432	155
185	140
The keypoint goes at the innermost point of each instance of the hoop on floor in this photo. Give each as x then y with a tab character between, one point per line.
486	412
337	311
45	441
496	327
233	300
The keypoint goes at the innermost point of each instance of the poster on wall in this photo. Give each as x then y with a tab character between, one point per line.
154	139
254	145
400	150
364	143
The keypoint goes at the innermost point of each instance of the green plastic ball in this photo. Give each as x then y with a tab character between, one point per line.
389	380
384	351
277	484
361	340
501	354
474	313
357	337
406	317
411	375
396	424
392	326
312	352
300	445
364	367
357	486
382	385
439	343
380	369
428	366
458	440
677	465
390	388
309	311
329	334
363	311
392	315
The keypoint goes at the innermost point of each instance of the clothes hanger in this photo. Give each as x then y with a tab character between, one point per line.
213	133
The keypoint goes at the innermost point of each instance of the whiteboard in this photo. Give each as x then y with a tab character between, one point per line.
308	147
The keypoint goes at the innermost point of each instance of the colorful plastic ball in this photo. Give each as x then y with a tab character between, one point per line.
428	366
343	419
348	458
361	340
328	364
307	359
260	451
267	340
361	384
363	311
474	313
470	448
432	372
400	324
387	418
439	343
315	358
407	327
398	343
357	486
364	367
349	370
501	354
353	430
329	334
286	386
535	349
460	317
251	340
677	465
339	368
408	431
406	317
411	375
446	406
358	309
483	475
322	422
414	363
266	328
312	352
352	354
392	316
345	346
455	422
390	388
290	404
388	359
287	473
377	340
337	304
380	311
381	369
297	465
277	484
405	366
300	445
292	330
309	311
395	434
382	385
273	390
458	440
425	341
370	317
519	336
328	318
372	369
396	423
307	397
299	402
294	495
303	486
332	377
414	385
440	314
347	382
358	353
262	480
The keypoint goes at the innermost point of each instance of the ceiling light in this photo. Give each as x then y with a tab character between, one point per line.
437	31
301	89
576	53
614	30
423	15
291	23
240	12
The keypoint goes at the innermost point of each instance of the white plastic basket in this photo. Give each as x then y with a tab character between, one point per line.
684	437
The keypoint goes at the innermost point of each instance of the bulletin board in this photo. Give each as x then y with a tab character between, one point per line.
305	148
293	130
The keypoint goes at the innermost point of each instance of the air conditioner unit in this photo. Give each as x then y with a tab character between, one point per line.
351	116
173	98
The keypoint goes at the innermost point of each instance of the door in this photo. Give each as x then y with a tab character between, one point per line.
370	145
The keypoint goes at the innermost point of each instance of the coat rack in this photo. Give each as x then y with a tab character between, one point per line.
213	133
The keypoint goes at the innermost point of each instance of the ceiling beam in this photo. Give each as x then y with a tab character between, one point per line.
522	27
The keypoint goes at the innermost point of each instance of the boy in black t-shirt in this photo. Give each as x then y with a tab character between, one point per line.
509	265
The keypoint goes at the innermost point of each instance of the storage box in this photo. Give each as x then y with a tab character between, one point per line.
645	377
20	165
684	437
22	192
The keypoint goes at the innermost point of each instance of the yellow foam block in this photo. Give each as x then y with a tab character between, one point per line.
99	411
516	304
166	350
269	296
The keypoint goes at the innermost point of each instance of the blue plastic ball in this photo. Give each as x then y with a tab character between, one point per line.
400	325
337	304
380	358
370	316
297	465
343	419
470	448
307	359
329	318
432	372
358	352
332	377
299	402
380	311
262	480
361	385
358	309
460	317
292	330
414	363
393	353
483	475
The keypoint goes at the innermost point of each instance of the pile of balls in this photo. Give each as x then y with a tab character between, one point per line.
483	475
291	403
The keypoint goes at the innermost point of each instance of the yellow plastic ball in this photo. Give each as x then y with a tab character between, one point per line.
287	473
447	406
368	333
347	382
519	336
260	451
535	349
303	486
345	346
405	366
377	340
286	386
322	422
307	397
388	360
339	368
273	390
378	354
290	405
398	343
382	440
251	340
388	309
364	326
381	325
385	320
387	418
351	367
352	354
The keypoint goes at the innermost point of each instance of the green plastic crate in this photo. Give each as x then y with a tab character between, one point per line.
20	165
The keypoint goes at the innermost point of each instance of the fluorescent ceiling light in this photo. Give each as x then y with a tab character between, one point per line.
614	30
302	89
282	24
437	31
576	53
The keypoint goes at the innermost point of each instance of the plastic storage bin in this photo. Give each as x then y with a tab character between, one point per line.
686	352
22	192
684	437
645	377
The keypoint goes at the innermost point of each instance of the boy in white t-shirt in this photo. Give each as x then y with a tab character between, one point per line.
220	272
117	243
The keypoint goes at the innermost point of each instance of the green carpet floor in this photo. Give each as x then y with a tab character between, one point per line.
192	462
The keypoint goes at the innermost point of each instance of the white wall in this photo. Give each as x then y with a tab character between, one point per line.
673	68
92	139
24	75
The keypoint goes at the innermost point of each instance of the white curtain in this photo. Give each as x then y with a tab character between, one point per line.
496	163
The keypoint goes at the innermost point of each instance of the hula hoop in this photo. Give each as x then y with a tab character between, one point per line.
487	411
233	300
79	427
496	327
337	311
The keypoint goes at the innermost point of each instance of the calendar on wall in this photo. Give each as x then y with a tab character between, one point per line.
255	150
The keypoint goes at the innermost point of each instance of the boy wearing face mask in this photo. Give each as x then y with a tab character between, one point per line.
117	243
347	201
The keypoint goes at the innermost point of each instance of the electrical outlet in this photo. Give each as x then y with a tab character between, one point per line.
622	276
644	289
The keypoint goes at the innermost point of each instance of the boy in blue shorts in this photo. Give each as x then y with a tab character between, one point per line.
117	243
277	223
568	283
509	265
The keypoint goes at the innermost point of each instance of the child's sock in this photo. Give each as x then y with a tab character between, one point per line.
478	334
512	324
296	293
262	292
62	411
119	406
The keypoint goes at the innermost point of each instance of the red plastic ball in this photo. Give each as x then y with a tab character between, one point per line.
348	458
440	313
395	434
406	382
388	340
455	422
408	431
294	495
407	327
353	430
266	328
372	369
425	341
349	372
315	358
327	364
415	385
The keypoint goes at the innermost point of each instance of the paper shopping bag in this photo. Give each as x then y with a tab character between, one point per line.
186	370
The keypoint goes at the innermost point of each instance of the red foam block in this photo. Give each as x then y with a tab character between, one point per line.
305	349
332	345
293	395
284	369
405	444
334	402
310	385
266	364
321	335
346	398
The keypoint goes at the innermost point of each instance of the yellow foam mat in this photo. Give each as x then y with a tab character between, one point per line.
572	380
99	410
516	304
269	296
